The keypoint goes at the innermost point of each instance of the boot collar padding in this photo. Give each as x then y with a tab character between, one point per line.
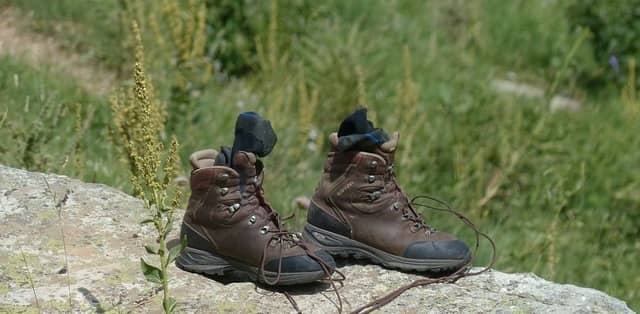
333	139
388	146
203	158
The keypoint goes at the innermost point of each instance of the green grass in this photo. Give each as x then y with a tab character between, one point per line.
66	19
41	116
566	205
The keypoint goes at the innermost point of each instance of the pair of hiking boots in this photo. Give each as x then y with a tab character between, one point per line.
358	210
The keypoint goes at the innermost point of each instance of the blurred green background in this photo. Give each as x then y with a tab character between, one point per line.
523	114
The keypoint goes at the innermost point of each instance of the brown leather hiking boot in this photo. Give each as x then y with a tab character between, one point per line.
359	210
229	225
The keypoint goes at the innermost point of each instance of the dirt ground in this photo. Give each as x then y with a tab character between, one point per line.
43	51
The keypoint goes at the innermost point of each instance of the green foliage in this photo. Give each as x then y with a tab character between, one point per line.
32	106
169	305
65	19
179	29
558	191
231	38
234	25
139	121
615	29
150	272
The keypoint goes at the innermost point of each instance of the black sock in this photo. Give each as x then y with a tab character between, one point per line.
358	133
253	134
224	156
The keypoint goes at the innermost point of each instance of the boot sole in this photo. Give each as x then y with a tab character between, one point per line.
338	245
207	263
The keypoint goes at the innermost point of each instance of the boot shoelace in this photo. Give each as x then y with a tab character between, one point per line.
402	202
281	237
464	271
408	212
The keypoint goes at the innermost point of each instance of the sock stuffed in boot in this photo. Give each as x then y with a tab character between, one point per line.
253	134
358	133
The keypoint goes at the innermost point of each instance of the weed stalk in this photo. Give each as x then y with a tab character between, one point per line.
139	121
30	278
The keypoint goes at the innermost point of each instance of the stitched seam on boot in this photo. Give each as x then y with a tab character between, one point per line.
334	208
204	233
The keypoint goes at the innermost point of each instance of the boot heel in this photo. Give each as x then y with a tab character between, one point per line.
202	262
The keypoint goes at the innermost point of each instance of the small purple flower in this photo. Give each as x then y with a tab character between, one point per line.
615	65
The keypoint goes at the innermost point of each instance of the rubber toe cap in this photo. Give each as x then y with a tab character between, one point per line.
444	249
302	263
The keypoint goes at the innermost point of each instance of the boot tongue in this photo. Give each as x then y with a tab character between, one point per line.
245	164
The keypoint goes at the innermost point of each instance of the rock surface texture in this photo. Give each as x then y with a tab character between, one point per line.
104	242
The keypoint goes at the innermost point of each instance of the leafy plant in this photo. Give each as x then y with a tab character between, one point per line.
139	121
629	95
178	33
33	138
615	35
233	40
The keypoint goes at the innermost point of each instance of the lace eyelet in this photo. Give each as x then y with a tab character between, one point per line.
371	179
223	177
224	190
390	168
264	229
233	208
252	219
373	196
373	164
396	206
